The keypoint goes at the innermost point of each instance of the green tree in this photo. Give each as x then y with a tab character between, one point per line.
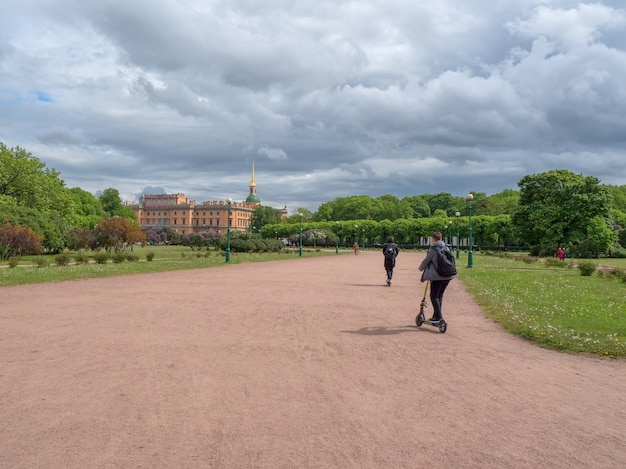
446	202
420	206
263	215
358	207
557	207
88	210
392	208
54	229
27	180
112	205
618	193
502	203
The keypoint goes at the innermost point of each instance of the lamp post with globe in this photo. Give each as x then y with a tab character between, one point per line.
470	257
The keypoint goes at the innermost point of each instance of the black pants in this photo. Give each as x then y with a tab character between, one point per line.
437	288
389	265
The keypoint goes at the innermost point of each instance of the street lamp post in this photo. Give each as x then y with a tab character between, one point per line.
470	257
449	226
363	238
458	240
337	237
229	202
301	215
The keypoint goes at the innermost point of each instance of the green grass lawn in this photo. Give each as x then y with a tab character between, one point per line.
554	307
166	258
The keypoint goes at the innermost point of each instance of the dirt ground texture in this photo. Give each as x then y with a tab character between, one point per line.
307	363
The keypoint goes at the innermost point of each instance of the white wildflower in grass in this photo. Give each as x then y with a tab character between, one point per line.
559	309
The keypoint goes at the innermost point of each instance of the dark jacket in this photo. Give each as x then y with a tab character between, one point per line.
427	266
390	262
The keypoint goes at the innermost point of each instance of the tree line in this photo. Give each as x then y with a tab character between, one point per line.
555	208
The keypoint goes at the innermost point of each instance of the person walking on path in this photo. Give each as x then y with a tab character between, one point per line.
390	251
355	246
438	283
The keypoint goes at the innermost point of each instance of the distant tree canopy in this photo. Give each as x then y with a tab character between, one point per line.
559	207
113	206
389	207
263	215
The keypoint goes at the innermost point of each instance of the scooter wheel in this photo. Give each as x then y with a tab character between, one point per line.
419	320
443	325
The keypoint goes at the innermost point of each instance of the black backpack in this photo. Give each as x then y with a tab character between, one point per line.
444	262
390	251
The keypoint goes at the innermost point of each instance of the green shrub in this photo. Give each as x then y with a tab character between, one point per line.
586	268
62	259
612	273
119	257
618	252
13	262
132	258
42	262
150	256
554	262
101	257
81	258
528	259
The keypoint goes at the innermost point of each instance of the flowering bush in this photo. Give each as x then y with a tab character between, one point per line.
16	240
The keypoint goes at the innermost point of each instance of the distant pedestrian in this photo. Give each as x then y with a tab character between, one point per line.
560	254
390	251
355	246
438	283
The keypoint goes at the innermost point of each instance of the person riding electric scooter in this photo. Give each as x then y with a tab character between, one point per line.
438	283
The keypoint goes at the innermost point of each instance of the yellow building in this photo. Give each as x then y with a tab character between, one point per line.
186	216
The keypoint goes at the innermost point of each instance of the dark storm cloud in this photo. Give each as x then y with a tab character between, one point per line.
330	99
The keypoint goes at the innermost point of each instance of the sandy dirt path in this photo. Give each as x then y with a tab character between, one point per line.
308	363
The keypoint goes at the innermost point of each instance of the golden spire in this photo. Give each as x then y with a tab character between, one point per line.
252	184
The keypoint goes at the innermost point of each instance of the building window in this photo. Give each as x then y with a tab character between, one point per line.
175	221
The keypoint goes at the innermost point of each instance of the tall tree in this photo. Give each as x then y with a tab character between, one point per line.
263	215
559	207
502	203
27	180
420	206
112	205
392	208
88	211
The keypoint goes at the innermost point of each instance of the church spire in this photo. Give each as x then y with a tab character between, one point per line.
253	197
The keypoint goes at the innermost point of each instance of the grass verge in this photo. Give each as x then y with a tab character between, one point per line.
554	307
40	269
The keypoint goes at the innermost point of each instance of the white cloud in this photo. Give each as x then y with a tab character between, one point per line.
341	98
275	154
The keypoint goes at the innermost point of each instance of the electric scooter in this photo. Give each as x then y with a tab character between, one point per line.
421	317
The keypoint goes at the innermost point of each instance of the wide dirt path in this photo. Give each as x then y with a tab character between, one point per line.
308	363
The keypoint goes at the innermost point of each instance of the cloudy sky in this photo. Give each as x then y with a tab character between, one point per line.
330	98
